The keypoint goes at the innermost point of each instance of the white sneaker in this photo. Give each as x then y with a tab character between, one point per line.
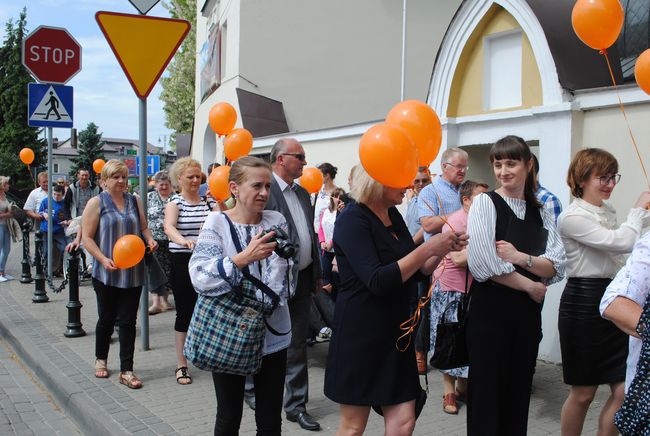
3	279
8	277
324	335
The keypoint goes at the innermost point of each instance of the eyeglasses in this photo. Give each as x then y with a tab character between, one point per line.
421	181
462	168
606	180
299	156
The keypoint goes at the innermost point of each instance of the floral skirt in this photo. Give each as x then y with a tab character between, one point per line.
439	301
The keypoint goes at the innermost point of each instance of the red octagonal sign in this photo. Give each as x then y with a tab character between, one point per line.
51	54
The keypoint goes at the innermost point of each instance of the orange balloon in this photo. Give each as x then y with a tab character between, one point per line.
238	143
389	155
26	155
642	71
598	22
311	179
128	251
98	164
222	118
423	126
218	183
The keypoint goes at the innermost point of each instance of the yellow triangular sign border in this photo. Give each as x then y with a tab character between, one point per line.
136	54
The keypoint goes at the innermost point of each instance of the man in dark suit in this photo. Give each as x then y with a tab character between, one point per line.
290	199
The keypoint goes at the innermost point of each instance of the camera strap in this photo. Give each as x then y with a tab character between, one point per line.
275	299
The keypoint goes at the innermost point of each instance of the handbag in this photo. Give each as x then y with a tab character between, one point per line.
226	333
633	418
154	275
450	350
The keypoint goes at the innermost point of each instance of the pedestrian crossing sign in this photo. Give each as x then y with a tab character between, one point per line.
49	105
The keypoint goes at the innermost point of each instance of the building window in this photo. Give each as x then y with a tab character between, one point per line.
223	40
55	167
502	70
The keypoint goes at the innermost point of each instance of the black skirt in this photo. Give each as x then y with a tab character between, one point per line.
594	350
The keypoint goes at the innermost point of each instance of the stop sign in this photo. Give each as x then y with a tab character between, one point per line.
51	54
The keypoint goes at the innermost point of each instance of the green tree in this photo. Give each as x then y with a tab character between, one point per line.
15	134
89	149
178	83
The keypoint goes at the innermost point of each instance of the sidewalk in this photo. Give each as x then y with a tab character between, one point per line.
104	407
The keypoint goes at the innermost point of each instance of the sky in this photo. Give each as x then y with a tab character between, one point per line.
102	93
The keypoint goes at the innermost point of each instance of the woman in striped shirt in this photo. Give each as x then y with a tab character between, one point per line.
185	214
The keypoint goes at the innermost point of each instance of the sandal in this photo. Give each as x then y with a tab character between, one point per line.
153	310
101	370
449	404
184	377
130	380
461	396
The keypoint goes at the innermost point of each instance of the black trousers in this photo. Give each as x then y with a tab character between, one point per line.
116	303
502	338
424	328
269	390
184	294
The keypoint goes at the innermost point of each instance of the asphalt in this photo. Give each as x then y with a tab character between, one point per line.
61	372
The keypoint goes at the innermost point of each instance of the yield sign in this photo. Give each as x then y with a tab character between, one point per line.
142	45
144	6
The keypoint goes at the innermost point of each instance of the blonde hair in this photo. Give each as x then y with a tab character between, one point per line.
113	167
238	170
336	193
365	189
3	180
179	167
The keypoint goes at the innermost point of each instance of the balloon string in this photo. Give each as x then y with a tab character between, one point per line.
31	176
627	122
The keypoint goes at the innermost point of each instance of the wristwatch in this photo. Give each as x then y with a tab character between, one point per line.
529	262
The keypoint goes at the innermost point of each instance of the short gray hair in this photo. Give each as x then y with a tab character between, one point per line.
278	148
448	153
161	176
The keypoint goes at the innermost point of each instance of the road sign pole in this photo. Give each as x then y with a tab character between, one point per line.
49	202
144	297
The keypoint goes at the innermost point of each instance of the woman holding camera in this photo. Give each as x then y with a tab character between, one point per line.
216	267
184	217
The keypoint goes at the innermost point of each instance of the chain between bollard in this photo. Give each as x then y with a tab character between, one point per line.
48	278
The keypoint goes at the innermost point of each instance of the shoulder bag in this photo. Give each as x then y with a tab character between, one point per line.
450	350
634	416
226	333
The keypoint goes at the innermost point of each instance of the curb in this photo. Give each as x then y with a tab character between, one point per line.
96	406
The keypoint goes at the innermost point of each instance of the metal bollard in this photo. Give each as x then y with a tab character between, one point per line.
74	327
26	276
40	296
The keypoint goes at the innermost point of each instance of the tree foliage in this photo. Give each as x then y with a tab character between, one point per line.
14	131
178	83
89	149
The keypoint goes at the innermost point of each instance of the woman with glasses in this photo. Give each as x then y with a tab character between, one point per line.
594	350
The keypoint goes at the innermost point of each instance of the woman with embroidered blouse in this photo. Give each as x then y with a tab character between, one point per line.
514	253
594	350
216	267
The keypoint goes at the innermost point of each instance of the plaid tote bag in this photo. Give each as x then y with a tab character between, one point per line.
227	332
634	416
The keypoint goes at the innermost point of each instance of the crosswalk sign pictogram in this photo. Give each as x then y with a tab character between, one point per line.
49	105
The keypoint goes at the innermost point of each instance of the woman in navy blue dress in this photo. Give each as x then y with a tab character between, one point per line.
379	265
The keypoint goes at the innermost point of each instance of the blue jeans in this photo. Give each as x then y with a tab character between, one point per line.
60	240
5	245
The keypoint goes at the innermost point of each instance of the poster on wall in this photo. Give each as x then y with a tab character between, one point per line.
210	63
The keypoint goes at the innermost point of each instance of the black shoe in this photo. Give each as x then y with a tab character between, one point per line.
250	401
305	420
311	342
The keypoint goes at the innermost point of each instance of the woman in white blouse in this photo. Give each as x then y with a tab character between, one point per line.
216	267
593	349
514	252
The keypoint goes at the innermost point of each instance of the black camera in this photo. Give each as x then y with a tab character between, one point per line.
285	248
